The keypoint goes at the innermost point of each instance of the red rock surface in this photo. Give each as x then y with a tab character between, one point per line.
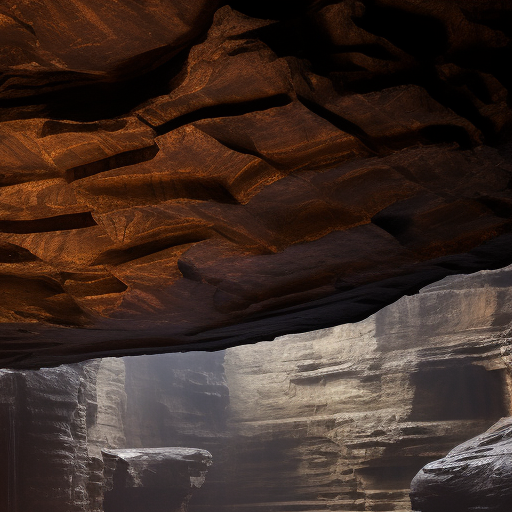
178	175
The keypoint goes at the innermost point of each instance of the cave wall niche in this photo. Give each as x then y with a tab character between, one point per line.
459	393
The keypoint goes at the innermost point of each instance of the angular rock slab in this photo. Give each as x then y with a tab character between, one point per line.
155	479
475	475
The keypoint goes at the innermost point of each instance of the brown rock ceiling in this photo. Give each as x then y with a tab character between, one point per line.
187	174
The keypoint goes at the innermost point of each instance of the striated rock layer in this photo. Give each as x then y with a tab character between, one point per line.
48	466
193	175
473	476
342	419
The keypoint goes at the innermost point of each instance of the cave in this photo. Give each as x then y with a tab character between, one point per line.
255	255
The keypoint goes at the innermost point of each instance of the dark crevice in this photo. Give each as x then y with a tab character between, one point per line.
80	285
224	110
421	36
244	150
487	60
57	223
374	50
438	134
297	37
494	18
169	188
10	253
395	225
339	122
35	298
84	98
7	12
119	256
475	83
271	9
450	95
132	157
500	207
447	94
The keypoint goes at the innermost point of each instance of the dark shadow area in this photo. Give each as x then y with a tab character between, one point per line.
135	156
86	99
57	223
406	30
8	460
457	393
225	110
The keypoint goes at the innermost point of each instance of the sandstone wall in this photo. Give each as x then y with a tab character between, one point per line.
181	400
55	425
107	421
345	417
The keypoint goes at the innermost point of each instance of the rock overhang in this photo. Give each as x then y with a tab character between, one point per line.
246	179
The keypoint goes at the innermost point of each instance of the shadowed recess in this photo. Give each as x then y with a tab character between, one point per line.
135	156
57	223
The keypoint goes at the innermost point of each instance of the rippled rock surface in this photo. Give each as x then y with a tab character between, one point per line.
475	475
192	174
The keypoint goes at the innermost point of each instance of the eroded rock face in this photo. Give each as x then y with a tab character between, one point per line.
45	417
182	175
341	418
473	476
344	418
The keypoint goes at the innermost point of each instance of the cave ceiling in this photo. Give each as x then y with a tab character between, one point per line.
187	174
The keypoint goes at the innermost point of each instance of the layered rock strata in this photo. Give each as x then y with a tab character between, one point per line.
338	419
473	476
181	175
342	419
181	400
48	466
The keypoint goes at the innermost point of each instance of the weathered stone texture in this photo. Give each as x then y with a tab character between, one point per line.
344	418
106	427
51	459
341	418
188	174
473	476
59	430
